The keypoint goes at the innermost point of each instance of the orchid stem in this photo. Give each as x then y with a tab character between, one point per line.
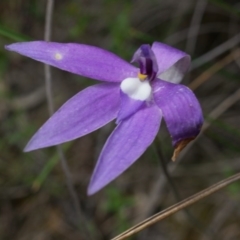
192	219
48	84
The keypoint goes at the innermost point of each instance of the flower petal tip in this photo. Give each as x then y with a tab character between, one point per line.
12	47
96	185
7	47
28	148
33	144
91	190
180	146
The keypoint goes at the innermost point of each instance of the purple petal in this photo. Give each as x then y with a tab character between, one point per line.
181	112
87	111
172	63
128	107
125	145
84	60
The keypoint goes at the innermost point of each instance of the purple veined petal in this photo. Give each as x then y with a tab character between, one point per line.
125	145
85	112
172	63
84	60
181	112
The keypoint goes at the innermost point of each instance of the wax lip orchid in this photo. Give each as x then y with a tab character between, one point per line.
137	98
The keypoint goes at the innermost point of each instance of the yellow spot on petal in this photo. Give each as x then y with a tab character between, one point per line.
179	147
142	77
58	56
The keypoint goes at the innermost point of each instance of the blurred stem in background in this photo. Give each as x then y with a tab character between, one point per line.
81	220
192	219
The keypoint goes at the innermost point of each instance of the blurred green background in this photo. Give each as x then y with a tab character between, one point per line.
34	200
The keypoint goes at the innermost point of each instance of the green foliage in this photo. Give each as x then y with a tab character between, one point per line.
8	33
118	204
49	166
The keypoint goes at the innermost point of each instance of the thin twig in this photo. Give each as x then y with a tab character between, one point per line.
165	170
220	49
28	101
214	69
221	108
177	207
195	25
48	83
181	35
47	69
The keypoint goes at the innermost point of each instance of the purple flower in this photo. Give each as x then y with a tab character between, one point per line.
137	98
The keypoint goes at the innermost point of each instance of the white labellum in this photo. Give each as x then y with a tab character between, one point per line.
136	89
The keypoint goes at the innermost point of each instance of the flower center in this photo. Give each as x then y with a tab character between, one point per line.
142	77
147	62
139	88
136	88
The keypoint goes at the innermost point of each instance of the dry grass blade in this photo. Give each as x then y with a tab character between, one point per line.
177	207
215	68
220	49
221	108
195	25
28	101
